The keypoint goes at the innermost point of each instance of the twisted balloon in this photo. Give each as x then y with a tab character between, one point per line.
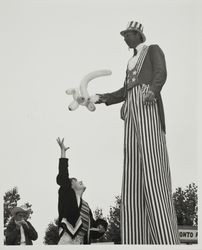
81	95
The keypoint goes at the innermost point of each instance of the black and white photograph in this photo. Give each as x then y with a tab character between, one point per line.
100	123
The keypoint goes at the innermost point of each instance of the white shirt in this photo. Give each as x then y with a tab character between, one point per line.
78	198
22	233
133	60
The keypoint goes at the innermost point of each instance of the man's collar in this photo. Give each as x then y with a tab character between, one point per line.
139	47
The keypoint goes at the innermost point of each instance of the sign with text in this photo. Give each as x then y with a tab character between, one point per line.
188	234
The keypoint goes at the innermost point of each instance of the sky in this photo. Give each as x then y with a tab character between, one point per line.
47	47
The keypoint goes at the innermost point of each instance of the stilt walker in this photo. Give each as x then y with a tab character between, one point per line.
147	210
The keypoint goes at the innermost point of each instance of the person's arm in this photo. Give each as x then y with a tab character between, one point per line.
92	221
158	68
29	230
159	73
97	229
12	233
112	98
62	178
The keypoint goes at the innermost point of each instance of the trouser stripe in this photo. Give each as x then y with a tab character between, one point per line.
147	211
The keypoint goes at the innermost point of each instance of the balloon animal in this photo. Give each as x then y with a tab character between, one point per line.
81	95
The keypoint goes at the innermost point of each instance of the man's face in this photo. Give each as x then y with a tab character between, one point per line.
78	185
19	216
132	39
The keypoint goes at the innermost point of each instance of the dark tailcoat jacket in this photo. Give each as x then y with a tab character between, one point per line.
13	235
153	73
68	207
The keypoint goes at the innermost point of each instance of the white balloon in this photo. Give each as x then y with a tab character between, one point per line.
75	93
81	95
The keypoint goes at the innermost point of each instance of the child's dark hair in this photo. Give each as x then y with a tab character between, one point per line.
73	179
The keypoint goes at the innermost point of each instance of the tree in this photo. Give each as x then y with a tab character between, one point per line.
113	232
186	205
11	198
52	234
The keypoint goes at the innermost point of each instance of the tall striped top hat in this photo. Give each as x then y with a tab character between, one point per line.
136	27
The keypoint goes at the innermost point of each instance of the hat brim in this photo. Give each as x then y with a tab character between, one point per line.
128	30
16	210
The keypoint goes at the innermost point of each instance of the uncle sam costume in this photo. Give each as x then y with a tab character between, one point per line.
147	210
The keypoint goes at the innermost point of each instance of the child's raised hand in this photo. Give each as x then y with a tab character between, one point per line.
62	146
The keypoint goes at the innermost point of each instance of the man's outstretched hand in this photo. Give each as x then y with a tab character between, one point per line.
102	99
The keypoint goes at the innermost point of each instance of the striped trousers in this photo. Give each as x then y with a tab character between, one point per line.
147	210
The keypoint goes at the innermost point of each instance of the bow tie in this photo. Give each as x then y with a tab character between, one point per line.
135	52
